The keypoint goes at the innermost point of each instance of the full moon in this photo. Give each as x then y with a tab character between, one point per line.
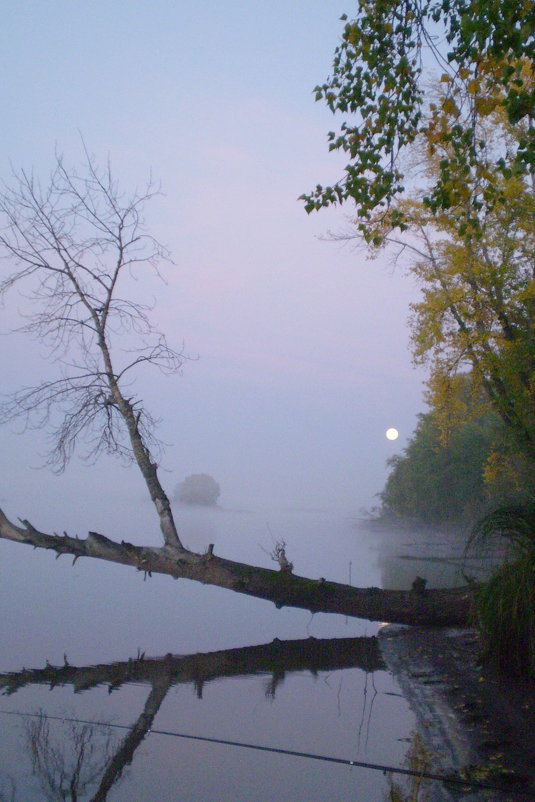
392	434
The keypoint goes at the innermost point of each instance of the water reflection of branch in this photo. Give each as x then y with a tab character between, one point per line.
63	776
67	778
370	711
125	754
274	658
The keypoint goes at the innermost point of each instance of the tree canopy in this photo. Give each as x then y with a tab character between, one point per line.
477	310
435	482
442	171
484	54
474	258
458	478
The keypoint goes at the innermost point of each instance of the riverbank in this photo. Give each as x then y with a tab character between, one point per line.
473	722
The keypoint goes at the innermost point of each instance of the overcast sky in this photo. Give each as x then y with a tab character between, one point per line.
302	343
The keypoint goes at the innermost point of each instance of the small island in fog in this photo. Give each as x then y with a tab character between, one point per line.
199	489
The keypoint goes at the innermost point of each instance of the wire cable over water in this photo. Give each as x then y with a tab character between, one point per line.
447	779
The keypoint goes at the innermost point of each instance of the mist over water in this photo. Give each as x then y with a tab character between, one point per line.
96	613
303	364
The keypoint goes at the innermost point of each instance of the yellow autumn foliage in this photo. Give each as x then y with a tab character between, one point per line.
477	274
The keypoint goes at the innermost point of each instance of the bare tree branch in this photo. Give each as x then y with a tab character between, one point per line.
70	247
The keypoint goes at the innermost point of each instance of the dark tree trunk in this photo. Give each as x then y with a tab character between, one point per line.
443	608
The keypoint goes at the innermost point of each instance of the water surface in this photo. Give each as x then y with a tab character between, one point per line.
155	661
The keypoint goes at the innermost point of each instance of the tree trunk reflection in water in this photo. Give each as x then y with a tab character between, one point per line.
125	754
275	659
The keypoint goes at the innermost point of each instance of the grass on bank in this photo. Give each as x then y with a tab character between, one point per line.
505	604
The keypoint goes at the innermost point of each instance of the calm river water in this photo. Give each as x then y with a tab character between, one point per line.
106	676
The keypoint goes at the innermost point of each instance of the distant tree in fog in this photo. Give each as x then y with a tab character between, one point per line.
199	488
438	479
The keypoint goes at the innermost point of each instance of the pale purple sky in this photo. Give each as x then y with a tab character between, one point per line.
302	343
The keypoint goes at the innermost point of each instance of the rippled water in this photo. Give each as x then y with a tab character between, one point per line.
154	662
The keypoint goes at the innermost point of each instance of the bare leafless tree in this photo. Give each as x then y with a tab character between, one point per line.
70	246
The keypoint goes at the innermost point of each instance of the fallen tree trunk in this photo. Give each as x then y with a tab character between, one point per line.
441	608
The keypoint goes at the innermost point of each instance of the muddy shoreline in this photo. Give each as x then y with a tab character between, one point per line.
474	723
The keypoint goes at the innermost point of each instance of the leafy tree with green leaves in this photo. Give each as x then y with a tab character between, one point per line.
477	310
465	214
439	482
475	263
467	220
379	83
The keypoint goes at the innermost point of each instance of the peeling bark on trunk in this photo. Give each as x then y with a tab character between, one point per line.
443	608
